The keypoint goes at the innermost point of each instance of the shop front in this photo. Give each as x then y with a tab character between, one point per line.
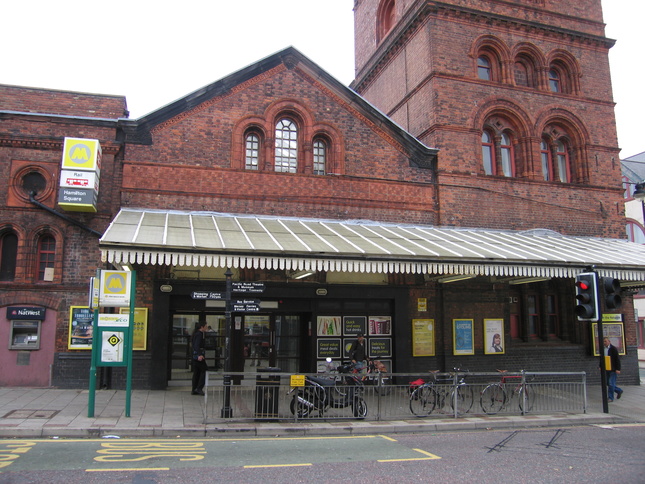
409	289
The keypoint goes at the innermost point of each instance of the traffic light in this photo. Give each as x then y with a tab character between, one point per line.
612	292
588	307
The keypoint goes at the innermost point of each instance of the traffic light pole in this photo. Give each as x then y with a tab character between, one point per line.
603	369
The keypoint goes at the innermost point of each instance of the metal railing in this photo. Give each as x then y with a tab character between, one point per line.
394	396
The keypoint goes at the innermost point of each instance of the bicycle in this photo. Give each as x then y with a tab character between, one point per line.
430	395
495	396
375	376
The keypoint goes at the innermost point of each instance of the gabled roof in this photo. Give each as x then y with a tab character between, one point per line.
138	130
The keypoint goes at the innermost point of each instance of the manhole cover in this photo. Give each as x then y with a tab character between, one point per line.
31	414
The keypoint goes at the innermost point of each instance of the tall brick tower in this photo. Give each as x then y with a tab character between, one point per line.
516	95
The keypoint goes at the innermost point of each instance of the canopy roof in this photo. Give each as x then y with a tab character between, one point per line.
168	237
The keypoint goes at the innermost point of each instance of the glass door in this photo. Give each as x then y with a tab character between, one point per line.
287	342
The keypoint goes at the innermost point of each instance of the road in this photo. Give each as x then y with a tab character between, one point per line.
581	454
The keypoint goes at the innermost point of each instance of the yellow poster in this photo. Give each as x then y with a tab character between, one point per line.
140	329
423	337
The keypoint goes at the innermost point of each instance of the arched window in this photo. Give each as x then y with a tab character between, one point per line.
547	161
506	149
554	81
286	146
8	256
488	153
46	256
320	157
484	70
385	18
252	147
562	157
635	232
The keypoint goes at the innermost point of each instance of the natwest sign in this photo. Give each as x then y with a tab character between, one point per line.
25	312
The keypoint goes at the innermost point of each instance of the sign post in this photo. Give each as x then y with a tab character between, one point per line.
112	333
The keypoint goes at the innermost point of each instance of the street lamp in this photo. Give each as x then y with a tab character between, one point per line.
639	191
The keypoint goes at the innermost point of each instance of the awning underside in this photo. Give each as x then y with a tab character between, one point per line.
209	239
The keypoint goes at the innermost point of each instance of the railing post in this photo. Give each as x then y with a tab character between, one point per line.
523	388
454	393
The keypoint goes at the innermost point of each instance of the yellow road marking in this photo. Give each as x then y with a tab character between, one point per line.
125	469
277	465
388	438
430	457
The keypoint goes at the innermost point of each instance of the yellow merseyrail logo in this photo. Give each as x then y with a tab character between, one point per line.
82	154
115	283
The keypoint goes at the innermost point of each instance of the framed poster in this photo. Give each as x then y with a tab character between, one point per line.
462	337
423	337
140	329
81	330
380	325
328	326
380	348
614	331
353	325
494	337
329	348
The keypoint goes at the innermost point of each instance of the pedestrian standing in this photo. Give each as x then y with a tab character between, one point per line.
612	368
199	359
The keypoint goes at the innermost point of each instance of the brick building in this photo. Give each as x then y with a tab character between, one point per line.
456	196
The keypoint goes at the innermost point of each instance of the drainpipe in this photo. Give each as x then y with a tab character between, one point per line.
64	217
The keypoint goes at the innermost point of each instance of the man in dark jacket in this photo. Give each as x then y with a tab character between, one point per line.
357	352
199	359
612	367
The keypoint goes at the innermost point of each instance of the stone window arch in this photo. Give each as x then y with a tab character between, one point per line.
385	19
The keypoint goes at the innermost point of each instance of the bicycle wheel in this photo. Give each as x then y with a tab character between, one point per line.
465	399
493	398
360	408
524	394
423	401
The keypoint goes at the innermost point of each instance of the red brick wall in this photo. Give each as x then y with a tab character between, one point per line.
34	100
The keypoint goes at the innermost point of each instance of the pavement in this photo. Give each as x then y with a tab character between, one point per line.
56	413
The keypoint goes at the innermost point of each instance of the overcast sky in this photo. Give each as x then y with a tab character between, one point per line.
154	52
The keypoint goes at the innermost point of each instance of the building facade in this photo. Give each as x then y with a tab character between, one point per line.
465	211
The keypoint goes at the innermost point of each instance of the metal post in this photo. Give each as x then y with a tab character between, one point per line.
603	372
227	411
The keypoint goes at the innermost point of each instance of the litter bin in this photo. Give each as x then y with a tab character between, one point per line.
266	393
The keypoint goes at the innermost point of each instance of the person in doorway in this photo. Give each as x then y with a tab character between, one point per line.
496	345
357	352
199	359
612	368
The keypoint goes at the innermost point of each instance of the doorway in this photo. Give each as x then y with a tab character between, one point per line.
258	341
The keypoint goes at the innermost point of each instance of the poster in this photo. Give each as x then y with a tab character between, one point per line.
494	337
328	326
329	348
380	348
140	330
614	331
80	328
353	325
423	337
380	325
462	334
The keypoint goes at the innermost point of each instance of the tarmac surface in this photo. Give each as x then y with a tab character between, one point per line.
56	413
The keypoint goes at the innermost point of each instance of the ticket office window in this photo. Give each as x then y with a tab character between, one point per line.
25	335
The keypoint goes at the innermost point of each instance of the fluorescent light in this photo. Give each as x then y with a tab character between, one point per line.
455	278
527	280
301	274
